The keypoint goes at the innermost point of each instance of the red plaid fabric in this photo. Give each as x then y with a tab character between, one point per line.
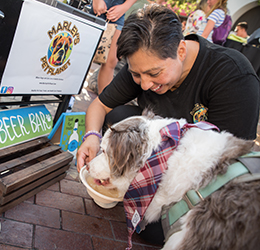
145	184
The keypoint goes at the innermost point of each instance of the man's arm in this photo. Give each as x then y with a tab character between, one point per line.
95	117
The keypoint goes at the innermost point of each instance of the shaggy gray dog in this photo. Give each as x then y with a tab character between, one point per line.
228	219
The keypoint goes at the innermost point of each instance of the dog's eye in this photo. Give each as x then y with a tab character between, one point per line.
101	150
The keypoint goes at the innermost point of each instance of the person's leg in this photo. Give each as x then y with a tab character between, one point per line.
153	233
106	70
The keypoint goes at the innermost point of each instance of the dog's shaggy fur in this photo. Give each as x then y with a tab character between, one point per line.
228	219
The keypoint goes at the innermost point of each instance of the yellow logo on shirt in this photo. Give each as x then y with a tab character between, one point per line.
199	113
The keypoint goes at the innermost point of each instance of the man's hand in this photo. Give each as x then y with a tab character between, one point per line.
87	151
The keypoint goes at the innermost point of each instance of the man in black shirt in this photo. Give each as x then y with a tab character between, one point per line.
190	78
182	78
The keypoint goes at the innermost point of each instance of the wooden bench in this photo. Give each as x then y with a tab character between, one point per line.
28	168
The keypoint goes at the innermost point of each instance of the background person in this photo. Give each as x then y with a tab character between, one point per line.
241	30
190	78
113	11
215	17
197	20
92	81
240	33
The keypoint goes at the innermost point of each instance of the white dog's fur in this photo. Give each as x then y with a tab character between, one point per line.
199	157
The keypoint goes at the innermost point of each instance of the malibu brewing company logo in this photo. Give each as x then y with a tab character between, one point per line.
63	38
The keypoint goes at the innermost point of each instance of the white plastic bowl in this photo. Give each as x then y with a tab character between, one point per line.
100	199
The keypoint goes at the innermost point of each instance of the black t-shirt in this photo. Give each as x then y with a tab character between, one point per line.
221	88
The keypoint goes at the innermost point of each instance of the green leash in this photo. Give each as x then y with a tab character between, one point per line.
247	164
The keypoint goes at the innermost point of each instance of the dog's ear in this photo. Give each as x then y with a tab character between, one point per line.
235	147
70	39
127	147
56	41
148	112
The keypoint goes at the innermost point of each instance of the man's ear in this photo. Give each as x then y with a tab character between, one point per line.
182	50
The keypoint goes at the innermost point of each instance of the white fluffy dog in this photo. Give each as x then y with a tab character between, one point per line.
227	219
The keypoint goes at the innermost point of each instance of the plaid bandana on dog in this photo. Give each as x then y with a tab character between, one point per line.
144	186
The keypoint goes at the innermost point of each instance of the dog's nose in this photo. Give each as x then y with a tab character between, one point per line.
61	52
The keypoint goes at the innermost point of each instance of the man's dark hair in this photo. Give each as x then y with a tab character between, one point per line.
155	28
243	25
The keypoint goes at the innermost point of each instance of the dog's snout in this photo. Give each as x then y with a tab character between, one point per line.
61	52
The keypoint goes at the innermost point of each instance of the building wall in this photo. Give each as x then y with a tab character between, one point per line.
238	7
245	10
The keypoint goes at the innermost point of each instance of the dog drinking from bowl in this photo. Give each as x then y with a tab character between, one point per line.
185	174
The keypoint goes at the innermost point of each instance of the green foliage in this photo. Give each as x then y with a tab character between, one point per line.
181	7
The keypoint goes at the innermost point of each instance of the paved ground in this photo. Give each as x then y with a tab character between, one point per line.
64	217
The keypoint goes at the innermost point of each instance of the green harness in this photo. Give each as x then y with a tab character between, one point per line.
247	168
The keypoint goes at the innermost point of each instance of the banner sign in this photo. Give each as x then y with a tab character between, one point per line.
51	51
23	124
